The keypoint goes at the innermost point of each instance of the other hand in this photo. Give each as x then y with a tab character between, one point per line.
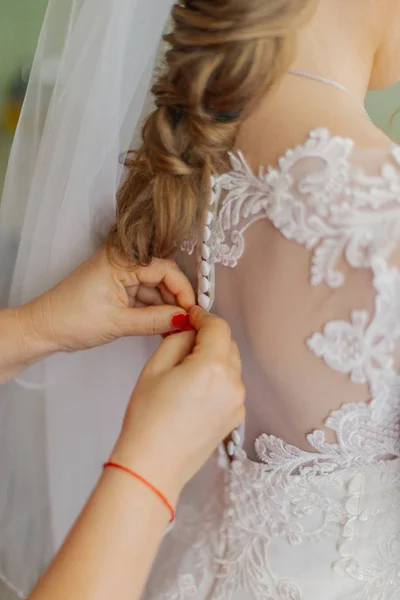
189	397
102	301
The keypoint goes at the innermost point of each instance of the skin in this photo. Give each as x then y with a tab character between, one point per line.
353	42
98	303
189	397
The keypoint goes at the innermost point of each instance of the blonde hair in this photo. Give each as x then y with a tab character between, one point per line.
224	56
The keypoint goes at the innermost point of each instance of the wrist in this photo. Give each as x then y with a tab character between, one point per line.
22	342
145	460
34	320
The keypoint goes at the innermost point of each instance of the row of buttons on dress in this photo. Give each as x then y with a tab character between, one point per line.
206	267
206	282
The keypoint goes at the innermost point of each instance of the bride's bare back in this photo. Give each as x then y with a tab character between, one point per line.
302	258
303	261
295	250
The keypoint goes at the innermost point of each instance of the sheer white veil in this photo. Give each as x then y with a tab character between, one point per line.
87	95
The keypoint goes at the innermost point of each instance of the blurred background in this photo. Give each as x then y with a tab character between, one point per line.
20	22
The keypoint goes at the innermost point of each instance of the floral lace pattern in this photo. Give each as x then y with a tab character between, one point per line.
371	518
197	528
324	523
306	209
287	536
362	348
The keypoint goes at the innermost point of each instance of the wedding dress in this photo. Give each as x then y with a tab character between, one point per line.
303	261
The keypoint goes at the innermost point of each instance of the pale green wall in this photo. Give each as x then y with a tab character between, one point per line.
382	106
20	22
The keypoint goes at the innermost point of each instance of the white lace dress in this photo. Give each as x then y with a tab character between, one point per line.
303	260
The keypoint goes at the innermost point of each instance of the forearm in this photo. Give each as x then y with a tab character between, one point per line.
111	548
21	341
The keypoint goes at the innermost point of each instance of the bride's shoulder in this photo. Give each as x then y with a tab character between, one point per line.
326	191
327	164
264	142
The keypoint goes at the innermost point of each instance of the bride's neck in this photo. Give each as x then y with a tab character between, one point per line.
298	105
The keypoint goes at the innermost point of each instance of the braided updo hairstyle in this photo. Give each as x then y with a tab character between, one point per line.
224	56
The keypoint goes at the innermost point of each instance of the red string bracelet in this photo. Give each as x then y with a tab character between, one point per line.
146	483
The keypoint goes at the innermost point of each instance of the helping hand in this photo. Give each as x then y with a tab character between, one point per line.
101	302
189	397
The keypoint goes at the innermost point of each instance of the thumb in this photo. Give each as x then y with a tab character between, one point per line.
172	352
151	320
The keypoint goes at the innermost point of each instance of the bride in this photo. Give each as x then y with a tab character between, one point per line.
260	161
299	252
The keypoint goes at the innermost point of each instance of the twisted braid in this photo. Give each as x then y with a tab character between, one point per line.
224	56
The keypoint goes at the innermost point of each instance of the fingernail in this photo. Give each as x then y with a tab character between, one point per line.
167	335
181	321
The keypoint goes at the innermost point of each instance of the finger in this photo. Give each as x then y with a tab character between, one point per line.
167	273
166	295
172	352
150	297
151	320
235	359
214	336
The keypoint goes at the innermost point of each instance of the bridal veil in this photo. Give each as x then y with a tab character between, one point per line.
87	95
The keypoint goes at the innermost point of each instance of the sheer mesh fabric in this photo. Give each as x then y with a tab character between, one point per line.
304	264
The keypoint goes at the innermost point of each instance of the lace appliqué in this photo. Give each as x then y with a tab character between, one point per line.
364	348
367	433
305	208
374	517
198	531
186	588
189	244
261	511
348	492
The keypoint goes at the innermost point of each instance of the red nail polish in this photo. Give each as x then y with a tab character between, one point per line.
180	321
